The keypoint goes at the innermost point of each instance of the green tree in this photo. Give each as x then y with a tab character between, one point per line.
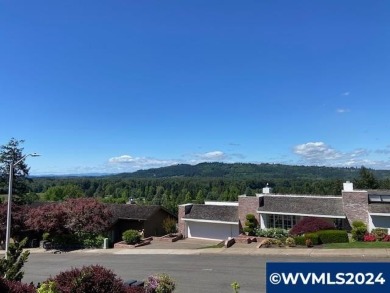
58	193
13	152
366	179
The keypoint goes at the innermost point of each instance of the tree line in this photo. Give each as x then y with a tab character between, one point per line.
171	186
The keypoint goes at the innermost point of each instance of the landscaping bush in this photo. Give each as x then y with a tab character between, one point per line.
250	224
301	240
333	236
290	242
310	224
386	238
131	236
92	278
160	283
315	240
66	240
369	237
277	233
7	286
359	229
47	287
169	225
379	233
90	240
46	236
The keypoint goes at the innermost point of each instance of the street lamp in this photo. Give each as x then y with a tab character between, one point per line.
11	170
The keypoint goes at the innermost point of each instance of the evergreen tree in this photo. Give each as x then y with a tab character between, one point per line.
366	179
13	152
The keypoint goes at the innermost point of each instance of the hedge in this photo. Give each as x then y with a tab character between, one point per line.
332	236
301	240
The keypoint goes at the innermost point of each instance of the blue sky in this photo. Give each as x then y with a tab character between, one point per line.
117	86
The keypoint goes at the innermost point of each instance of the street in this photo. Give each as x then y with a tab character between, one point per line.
193	273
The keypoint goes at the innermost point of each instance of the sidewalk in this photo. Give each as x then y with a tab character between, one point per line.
304	252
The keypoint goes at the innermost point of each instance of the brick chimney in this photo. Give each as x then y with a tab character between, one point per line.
355	204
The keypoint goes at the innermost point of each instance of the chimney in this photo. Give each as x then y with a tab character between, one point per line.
267	189
348	186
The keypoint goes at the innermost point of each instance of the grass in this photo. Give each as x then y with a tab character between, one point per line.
358	245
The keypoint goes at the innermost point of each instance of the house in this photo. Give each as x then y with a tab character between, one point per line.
213	221
136	217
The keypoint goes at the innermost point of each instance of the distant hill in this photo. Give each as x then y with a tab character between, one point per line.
251	171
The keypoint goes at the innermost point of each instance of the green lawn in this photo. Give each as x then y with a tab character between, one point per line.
358	245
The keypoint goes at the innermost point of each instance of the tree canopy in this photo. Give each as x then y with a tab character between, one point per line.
12	152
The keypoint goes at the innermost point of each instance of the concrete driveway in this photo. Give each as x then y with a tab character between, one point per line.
188	243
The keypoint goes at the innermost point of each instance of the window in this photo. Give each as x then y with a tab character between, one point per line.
281	221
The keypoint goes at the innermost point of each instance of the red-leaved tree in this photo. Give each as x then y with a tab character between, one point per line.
18	218
49	218
310	224
86	215
81	215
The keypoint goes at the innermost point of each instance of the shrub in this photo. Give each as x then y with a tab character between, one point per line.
47	287
299	240
92	278
308	242
358	223
333	236
310	224
290	242
46	236
313	237
379	233
277	233
11	267
131	236
266	243
386	238
169	225
359	229
66	240
369	238
250	224
7	286
90	240
160	283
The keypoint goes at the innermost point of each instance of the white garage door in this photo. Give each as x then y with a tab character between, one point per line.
211	230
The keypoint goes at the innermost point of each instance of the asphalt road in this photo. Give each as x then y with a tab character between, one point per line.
193	273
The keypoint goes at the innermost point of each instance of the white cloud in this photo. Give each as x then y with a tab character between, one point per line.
212	156
122	159
346	94
129	163
319	153
341	111
316	152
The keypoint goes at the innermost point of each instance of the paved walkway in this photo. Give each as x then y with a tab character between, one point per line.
198	247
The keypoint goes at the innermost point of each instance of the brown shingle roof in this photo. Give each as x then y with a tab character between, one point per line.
134	212
303	205
379	208
213	213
